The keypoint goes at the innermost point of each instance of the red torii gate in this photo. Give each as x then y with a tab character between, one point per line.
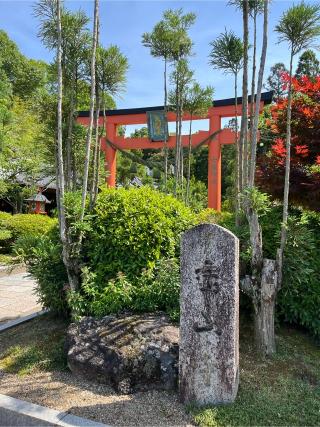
137	116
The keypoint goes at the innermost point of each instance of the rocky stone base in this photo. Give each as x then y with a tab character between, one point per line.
130	353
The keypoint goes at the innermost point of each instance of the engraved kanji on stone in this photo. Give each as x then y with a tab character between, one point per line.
209	283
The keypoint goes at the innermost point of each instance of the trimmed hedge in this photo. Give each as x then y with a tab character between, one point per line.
129	250
133	228
13	227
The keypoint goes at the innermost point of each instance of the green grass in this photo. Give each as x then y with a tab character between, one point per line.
281	391
34	346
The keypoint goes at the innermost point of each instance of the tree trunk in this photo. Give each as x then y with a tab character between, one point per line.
237	180
74	177
66	253
284	224
264	311
103	131
189	161
59	148
165	139
253	81
258	97
181	148
243	164
94	182
177	153
263	281
68	174
92	102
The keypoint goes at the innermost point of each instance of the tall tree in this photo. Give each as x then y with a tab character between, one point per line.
227	55
197	102
50	13
55	36
275	80
181	78
299	26
244	6
170	41
75	46
92	105
308	65
76	43
255	8
59	152
24	150
261	285
26	76
111	69
160	43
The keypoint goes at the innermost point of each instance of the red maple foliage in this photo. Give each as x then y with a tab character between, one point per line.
305	145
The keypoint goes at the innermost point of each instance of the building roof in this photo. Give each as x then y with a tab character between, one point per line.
266	97
45	182
38	198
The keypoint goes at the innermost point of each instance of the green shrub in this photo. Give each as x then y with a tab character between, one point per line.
212	216
24	225
130	242
5	234
126	238
131	230
299	297
5	216
43	257
198	193
156	289
159	289
114	297
13	227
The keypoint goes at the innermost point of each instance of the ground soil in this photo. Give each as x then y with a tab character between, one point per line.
62	391
33	368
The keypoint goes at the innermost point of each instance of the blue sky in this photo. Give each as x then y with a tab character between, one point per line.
123	22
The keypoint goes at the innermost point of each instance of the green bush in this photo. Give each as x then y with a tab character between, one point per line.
5	234
24	225
5	216
156	289
43	257
13	227
127	236
114	297
131	229
299	297
159	289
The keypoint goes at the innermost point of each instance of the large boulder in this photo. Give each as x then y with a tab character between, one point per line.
129	352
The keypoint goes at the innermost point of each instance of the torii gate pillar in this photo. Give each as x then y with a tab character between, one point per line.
214	166
111	156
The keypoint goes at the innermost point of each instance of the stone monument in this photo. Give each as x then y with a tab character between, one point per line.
209	322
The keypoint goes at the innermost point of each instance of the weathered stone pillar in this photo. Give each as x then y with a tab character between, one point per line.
209	322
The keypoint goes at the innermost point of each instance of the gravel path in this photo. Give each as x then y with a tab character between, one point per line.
62	391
